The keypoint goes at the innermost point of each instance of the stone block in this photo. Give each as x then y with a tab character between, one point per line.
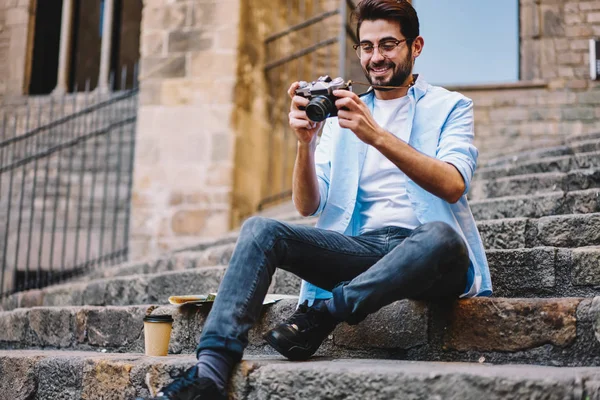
186	41
222	147
593	17
520	207
552	21
220	175
64	295
153	44
589	5
204	14
586	266
116	327
163	67
126	291
530	21
13	326
17	16
583	201
31	298
200	281
187	326
285	282
594	313
107	380
522	269
60	378
51	327
567	231
503	233
164	16
217	223
488	324
189	222
19	377
95	292
213	65
400	325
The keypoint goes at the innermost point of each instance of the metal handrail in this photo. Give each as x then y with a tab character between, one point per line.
62	120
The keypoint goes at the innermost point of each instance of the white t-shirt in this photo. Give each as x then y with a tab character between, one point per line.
382	186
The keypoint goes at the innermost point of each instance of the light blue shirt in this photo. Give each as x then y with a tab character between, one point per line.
441	126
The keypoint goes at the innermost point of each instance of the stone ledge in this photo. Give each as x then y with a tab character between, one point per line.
536	84
557	331
516	272
52	375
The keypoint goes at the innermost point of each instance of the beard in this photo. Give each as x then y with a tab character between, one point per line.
400	72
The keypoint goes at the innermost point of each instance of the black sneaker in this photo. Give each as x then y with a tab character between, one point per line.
188	386
300	336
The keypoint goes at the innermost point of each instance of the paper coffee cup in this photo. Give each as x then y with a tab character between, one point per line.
157	334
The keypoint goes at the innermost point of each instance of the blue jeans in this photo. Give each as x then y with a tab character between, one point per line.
364	272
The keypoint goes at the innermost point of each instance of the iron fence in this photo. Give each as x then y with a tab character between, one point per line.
311	39
65	187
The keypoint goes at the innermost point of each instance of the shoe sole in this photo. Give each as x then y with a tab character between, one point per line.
289	350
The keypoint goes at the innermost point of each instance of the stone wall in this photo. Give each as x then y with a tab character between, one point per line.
265	146
561	100
184	153
16	17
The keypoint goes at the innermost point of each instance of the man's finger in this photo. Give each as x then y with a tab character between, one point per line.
346	103
299	101
346	115
346	94
298	114
301	124
292	89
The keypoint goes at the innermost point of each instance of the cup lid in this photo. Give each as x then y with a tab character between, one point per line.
158	318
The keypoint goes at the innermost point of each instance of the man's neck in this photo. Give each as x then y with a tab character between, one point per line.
395	93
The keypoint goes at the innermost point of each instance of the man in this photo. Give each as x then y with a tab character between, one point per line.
388	179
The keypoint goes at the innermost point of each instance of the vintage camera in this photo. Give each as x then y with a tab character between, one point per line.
322	101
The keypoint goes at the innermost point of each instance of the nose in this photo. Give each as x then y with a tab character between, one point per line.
376	56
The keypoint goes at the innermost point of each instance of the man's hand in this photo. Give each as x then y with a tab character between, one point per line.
354	114
305	129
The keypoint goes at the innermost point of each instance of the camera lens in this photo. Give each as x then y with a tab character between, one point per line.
319	108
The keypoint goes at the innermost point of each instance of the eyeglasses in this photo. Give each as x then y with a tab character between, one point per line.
386	49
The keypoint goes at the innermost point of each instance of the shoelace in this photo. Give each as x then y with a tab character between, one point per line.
305	317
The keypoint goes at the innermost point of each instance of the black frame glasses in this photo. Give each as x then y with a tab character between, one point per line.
388	47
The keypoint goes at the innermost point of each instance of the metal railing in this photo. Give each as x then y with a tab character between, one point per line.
65	187
314	41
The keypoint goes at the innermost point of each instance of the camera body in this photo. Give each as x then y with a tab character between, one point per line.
320	94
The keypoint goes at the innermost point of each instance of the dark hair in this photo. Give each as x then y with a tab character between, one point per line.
400	11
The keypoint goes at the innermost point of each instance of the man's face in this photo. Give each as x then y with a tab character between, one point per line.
393	69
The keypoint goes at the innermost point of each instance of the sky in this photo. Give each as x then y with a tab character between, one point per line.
468	41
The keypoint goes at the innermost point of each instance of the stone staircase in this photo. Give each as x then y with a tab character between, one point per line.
538	338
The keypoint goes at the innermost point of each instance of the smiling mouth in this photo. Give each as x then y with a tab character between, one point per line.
379	70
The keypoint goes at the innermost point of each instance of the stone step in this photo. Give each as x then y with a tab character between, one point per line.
582	144
561	331
571	230
564	163
533	184
50	375
537	206
526	272
137	289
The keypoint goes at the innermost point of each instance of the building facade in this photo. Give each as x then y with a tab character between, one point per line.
212	146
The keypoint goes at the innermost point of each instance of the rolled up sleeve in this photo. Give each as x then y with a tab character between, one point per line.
456	141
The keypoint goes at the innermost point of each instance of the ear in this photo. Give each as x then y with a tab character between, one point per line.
417	46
